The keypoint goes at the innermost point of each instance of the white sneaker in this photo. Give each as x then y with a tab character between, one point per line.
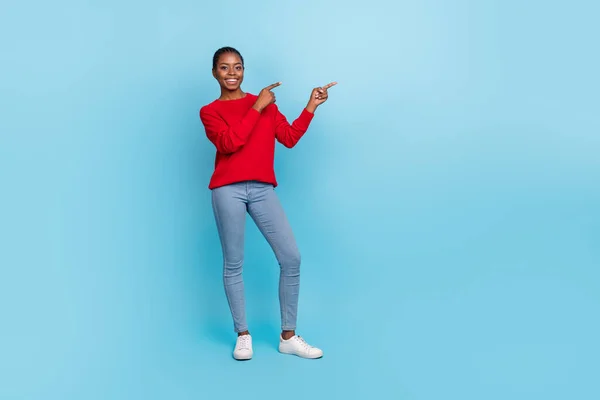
243	348
297	346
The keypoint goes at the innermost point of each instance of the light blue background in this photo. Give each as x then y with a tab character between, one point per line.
446	200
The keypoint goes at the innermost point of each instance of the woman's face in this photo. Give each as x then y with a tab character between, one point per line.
229	71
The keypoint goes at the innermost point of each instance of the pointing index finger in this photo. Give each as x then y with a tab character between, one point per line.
273	86
329	85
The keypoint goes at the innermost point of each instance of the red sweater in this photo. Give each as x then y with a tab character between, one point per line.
245	138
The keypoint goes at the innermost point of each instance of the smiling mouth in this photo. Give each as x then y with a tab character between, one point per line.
231	81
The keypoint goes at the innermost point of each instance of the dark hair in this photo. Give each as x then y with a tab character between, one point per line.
224	50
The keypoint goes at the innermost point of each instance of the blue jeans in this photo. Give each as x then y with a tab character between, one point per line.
230	204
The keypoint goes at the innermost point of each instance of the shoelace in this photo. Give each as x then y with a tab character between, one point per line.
303	342
244	342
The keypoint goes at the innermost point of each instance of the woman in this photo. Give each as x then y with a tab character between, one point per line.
244	127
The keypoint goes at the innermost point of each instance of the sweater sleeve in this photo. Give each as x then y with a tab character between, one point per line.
228	138
288	135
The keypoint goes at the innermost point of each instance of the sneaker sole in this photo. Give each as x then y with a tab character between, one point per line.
301	356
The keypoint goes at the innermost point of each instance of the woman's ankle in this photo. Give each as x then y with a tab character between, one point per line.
243	333
286	335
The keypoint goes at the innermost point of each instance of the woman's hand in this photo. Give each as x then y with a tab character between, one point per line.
265	97
318	96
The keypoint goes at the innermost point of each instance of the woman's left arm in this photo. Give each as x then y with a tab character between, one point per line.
288	135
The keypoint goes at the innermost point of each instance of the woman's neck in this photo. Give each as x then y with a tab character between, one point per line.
228	95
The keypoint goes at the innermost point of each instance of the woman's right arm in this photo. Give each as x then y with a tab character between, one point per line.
228	138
